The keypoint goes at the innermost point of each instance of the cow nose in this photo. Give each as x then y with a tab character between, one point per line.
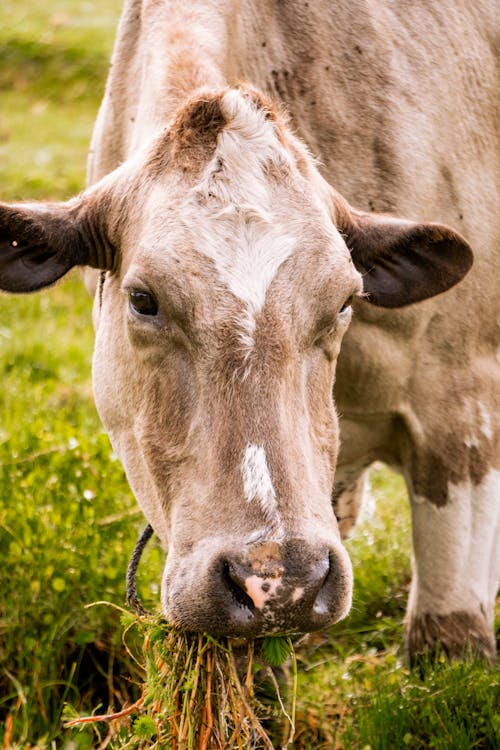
278	588
256	589
258	575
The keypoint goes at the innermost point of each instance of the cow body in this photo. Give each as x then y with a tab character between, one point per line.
400	103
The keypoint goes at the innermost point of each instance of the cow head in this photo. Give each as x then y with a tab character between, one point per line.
228	271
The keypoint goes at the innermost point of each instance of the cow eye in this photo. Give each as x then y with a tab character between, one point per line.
347	304
142	303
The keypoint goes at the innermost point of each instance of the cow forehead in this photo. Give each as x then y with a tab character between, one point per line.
248	210
235	257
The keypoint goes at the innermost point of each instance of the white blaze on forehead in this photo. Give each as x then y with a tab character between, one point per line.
248	261
229	214
257	483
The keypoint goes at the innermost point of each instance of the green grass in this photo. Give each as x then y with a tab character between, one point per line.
439	711
54	57
68	521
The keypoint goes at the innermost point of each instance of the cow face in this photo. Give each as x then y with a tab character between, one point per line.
228	288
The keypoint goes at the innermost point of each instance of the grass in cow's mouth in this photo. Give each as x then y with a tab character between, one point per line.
200	693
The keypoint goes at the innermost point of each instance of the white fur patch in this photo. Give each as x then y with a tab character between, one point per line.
230	209
457	550
248	259
257	483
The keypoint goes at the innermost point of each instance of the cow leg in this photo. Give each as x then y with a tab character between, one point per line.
347	500
456	569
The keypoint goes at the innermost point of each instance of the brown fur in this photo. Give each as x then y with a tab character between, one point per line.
458	635
195	131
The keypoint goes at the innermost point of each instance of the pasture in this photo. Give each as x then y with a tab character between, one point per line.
68	521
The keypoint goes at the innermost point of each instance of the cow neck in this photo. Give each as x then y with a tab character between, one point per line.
183	49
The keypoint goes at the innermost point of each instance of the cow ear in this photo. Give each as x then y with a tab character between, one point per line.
39	243
401	261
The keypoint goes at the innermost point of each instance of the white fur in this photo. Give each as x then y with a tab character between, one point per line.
38	208
231	209
257	482
480	424
457	550
486	425
248	259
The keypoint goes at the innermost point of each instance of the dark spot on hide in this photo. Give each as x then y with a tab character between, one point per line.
450	461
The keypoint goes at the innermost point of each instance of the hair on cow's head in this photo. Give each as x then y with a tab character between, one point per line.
192	137
196	127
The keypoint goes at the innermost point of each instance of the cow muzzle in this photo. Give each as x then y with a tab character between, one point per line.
268	587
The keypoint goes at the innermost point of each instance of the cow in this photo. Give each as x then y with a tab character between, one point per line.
268	325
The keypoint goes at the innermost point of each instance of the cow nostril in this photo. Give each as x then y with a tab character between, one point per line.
236	586
328	582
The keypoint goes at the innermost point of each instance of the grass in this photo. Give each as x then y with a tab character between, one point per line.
68	521
54	58
200	693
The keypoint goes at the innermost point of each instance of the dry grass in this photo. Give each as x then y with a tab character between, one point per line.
200	693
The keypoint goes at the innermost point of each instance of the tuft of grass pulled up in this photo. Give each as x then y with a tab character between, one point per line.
201	693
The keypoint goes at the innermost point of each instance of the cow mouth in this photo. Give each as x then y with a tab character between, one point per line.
292	602
294	609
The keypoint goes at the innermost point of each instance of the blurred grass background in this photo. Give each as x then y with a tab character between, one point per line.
67	518
68	521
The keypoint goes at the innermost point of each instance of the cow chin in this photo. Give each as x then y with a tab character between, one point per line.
263	588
